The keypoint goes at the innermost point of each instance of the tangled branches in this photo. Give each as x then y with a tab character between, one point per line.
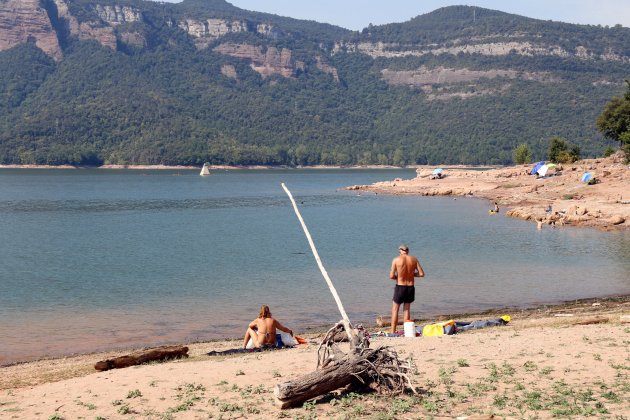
379	369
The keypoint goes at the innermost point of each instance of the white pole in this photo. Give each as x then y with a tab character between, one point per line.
346	320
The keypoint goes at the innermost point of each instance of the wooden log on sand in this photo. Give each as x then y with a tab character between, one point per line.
597	320
143	356
314	384
378	369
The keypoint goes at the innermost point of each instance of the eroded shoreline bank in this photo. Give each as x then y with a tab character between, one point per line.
559	199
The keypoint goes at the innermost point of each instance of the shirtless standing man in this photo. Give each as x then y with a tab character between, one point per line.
262	330
404	269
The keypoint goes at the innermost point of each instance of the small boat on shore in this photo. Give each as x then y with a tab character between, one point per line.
205	171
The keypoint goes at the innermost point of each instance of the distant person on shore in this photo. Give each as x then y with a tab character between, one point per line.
405	268
262	330
496	207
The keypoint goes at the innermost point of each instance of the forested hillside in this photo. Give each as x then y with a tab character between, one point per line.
137	82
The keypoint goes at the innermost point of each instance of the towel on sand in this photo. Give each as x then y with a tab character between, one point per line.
241	350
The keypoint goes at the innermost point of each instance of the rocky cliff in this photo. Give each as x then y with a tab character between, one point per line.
266	62
116	15
109	24
524	48
26	21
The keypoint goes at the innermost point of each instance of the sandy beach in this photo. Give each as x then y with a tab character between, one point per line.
604	205
542	364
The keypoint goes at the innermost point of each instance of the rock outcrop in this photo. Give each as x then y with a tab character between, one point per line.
135	39
98	31
425	76
26	21
116	15
525	48
322	66
206	31
265	62
229	71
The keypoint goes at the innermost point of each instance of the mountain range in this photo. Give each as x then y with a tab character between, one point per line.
88	82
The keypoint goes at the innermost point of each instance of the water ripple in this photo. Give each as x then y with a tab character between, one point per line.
125	205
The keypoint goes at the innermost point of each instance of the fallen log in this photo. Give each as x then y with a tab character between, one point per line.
378	369
597	320
314	384
143	356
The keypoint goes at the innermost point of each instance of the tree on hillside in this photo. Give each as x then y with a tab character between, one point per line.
614	121
522	154
561	152
557	145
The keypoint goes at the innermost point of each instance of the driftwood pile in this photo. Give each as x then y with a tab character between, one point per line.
362	368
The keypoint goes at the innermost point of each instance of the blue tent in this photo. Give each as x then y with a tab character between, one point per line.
537	167
586	177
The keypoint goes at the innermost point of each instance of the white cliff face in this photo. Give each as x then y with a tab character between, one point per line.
393	50
268	30
213	28
206	31
62	8
116	15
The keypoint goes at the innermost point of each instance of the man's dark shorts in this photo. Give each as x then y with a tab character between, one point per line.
404	294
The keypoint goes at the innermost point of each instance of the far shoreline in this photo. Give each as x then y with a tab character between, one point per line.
220	167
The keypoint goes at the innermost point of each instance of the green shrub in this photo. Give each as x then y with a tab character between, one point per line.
522	154
557	145
609	151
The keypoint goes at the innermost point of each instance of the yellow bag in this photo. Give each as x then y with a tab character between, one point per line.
433	330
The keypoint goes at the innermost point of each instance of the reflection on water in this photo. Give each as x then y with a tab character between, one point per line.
107	259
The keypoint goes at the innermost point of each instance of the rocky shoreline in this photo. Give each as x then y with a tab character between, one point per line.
560	199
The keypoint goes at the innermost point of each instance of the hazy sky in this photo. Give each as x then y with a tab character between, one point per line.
357	14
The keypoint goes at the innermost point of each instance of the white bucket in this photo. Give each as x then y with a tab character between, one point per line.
410	329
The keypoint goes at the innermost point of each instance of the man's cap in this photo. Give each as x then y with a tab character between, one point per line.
403	247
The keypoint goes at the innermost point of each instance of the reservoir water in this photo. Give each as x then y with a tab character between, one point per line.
107	259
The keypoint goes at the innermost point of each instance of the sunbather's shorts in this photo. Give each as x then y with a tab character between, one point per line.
404	294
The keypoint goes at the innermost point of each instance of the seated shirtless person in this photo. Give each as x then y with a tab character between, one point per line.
262	330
